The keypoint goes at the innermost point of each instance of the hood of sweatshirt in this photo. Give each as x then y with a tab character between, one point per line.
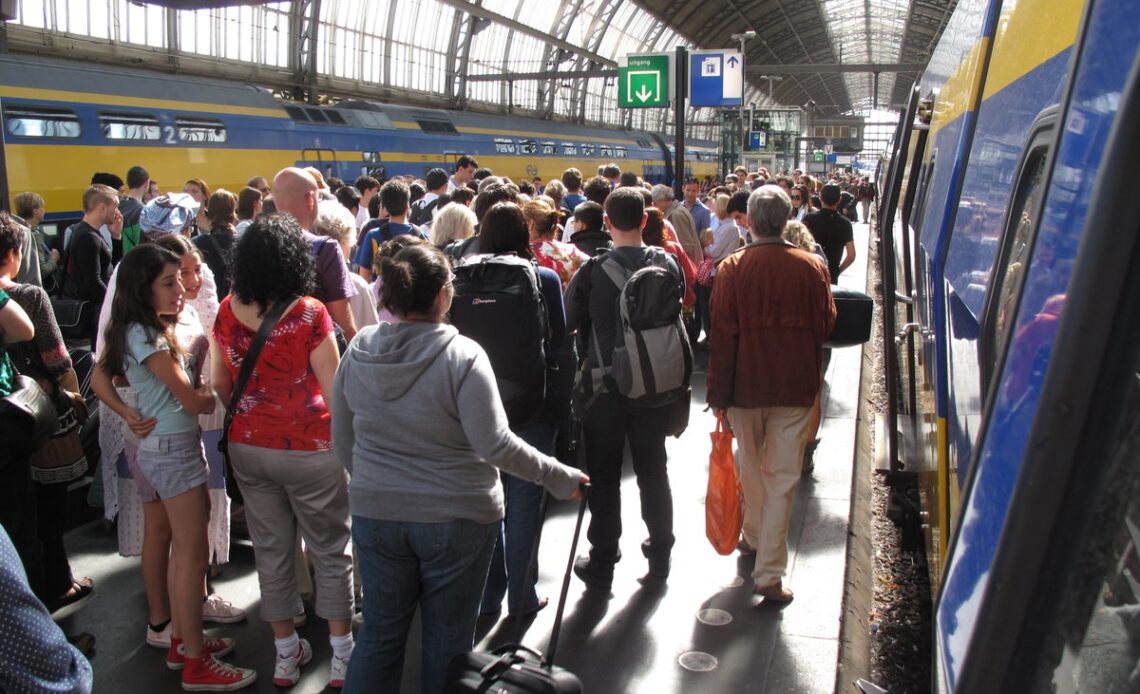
388	358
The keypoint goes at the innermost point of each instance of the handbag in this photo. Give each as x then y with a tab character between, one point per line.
724	516
853	311
27	415
247	364
73	316
705	271
61	457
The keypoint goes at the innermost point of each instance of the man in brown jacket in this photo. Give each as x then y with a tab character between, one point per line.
771	311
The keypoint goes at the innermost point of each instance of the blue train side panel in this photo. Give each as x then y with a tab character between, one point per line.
1111	35
1003	128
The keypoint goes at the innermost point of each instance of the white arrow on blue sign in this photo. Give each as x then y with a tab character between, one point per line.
716	78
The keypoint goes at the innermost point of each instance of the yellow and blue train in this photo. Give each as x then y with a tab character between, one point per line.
1011	249
63	121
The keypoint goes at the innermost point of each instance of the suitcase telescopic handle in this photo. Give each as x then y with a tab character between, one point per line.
584	489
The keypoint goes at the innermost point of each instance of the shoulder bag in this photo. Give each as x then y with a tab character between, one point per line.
247	364
27	416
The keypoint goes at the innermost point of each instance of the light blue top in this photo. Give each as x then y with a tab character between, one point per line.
154	398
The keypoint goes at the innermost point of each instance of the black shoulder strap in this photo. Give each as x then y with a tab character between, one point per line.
250	360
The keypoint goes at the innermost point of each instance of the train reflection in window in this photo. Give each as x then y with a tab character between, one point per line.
41	122
129	126
201	130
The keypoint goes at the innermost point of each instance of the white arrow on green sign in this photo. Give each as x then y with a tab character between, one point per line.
643	81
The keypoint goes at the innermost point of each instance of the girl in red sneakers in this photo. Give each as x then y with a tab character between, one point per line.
140	344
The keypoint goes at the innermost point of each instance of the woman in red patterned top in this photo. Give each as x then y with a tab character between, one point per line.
280	443
563	258
653	234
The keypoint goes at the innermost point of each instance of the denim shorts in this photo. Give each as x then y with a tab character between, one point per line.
172	464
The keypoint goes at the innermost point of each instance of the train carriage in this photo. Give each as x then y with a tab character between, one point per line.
1009	244
64	121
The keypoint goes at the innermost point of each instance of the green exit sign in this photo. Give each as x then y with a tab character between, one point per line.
817	157
643	81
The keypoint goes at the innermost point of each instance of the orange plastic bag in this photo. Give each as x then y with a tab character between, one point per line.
723	513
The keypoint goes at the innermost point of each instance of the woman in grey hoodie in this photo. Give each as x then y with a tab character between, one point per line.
418	423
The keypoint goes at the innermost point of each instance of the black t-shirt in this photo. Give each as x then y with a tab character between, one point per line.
218	249
88	264
832	231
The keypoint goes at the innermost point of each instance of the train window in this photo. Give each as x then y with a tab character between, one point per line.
335	117
370	157
129	126
569	149
34	121
620	152
296	113
528	147
504	146
1014	258
436	126
200	130
549	148
588	150
605	151
316	115
374	119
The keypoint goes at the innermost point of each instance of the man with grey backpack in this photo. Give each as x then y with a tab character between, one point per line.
633	384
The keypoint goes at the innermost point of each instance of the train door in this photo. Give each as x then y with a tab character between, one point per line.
323	160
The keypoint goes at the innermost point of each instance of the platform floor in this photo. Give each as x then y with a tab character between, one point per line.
701	632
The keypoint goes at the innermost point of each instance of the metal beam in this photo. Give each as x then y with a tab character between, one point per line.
544	75
824	69
484	13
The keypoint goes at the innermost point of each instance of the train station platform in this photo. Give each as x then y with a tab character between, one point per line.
701	631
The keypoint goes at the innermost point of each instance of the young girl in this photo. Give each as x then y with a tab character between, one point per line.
141	344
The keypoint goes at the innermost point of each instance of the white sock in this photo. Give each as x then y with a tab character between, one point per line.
288	647
341	645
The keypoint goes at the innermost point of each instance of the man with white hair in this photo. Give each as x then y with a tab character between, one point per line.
295	193
771	311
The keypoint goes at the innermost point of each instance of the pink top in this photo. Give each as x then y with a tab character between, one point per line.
282	406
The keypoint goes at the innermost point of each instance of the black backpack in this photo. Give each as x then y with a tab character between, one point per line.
422	212
499	304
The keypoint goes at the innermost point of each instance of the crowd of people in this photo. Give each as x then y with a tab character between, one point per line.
314	349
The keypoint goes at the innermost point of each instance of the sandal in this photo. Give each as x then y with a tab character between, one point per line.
774	593
542	602
66	605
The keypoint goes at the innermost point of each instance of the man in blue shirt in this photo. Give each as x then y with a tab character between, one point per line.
394	196
701	214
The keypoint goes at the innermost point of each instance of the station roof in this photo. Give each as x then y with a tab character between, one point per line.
552	58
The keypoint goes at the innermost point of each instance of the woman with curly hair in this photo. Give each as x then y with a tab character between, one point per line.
280	443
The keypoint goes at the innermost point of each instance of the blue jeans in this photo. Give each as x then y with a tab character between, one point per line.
516	535
439	567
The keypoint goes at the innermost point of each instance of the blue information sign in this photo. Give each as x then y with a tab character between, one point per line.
757	139
716	78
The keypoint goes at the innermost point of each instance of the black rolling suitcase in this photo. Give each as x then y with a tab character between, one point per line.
514	668
853	310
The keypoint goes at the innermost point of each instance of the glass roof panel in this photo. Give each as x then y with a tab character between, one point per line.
867	32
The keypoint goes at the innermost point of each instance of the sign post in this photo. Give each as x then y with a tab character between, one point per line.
679	124
643	81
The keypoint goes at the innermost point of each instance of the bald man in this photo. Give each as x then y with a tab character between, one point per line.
295	193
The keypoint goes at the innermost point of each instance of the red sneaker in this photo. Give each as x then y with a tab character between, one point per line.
208	674
176	654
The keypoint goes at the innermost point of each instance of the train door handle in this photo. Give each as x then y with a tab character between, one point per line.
903	298
901	335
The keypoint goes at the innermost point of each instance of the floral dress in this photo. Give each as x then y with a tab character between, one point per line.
563	258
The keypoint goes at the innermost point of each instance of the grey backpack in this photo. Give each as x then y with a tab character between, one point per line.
652	361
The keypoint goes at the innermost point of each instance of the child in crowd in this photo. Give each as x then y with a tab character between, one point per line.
141	344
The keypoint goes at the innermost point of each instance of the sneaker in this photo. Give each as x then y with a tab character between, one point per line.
659	564
592	573
159	639
208	674
338	672
176	654
220	611
288	670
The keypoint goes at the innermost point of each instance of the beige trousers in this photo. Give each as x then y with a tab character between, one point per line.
769	445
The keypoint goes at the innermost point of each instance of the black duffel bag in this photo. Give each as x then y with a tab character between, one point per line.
853	311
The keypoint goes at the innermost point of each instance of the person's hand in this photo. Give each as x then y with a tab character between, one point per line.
583	480
140	426
54	255
116	226
720	413
208	392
